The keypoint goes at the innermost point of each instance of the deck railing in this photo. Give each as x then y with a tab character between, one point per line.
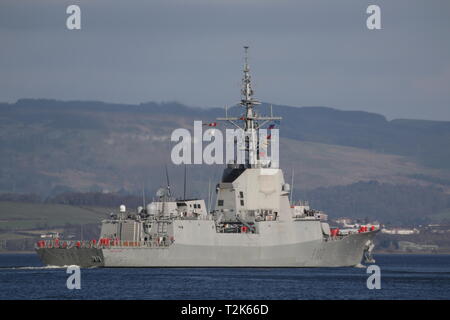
104	243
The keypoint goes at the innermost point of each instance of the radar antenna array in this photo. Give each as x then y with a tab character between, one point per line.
251	121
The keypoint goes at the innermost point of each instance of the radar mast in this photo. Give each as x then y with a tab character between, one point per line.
250	121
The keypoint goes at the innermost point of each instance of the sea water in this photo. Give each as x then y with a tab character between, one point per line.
22	276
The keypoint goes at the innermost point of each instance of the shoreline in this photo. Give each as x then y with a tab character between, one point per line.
16	252
413	253
375	253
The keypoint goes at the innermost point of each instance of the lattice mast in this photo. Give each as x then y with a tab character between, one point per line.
250	122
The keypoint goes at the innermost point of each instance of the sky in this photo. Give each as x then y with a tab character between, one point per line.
302	53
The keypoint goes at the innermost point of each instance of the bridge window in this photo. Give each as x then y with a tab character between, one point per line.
220	203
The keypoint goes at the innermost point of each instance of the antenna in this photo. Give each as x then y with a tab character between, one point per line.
209	195
168	182
250	119
292	187
143	196
184	189
246	58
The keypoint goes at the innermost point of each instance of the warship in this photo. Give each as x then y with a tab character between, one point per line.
254	221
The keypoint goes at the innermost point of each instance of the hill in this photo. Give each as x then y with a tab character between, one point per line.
21	224
49	147
52	145
16	216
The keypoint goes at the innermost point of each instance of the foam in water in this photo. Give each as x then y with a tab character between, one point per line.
39	268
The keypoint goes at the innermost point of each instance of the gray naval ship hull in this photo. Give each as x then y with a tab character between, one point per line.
337	253
83	257
345	252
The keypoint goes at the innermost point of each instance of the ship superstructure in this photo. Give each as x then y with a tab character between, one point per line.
253	222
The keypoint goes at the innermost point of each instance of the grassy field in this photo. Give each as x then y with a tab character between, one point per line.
16	216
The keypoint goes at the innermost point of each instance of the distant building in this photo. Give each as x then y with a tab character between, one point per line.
350	224
321	215
344	221
400	231
51	235
438	228
407	246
